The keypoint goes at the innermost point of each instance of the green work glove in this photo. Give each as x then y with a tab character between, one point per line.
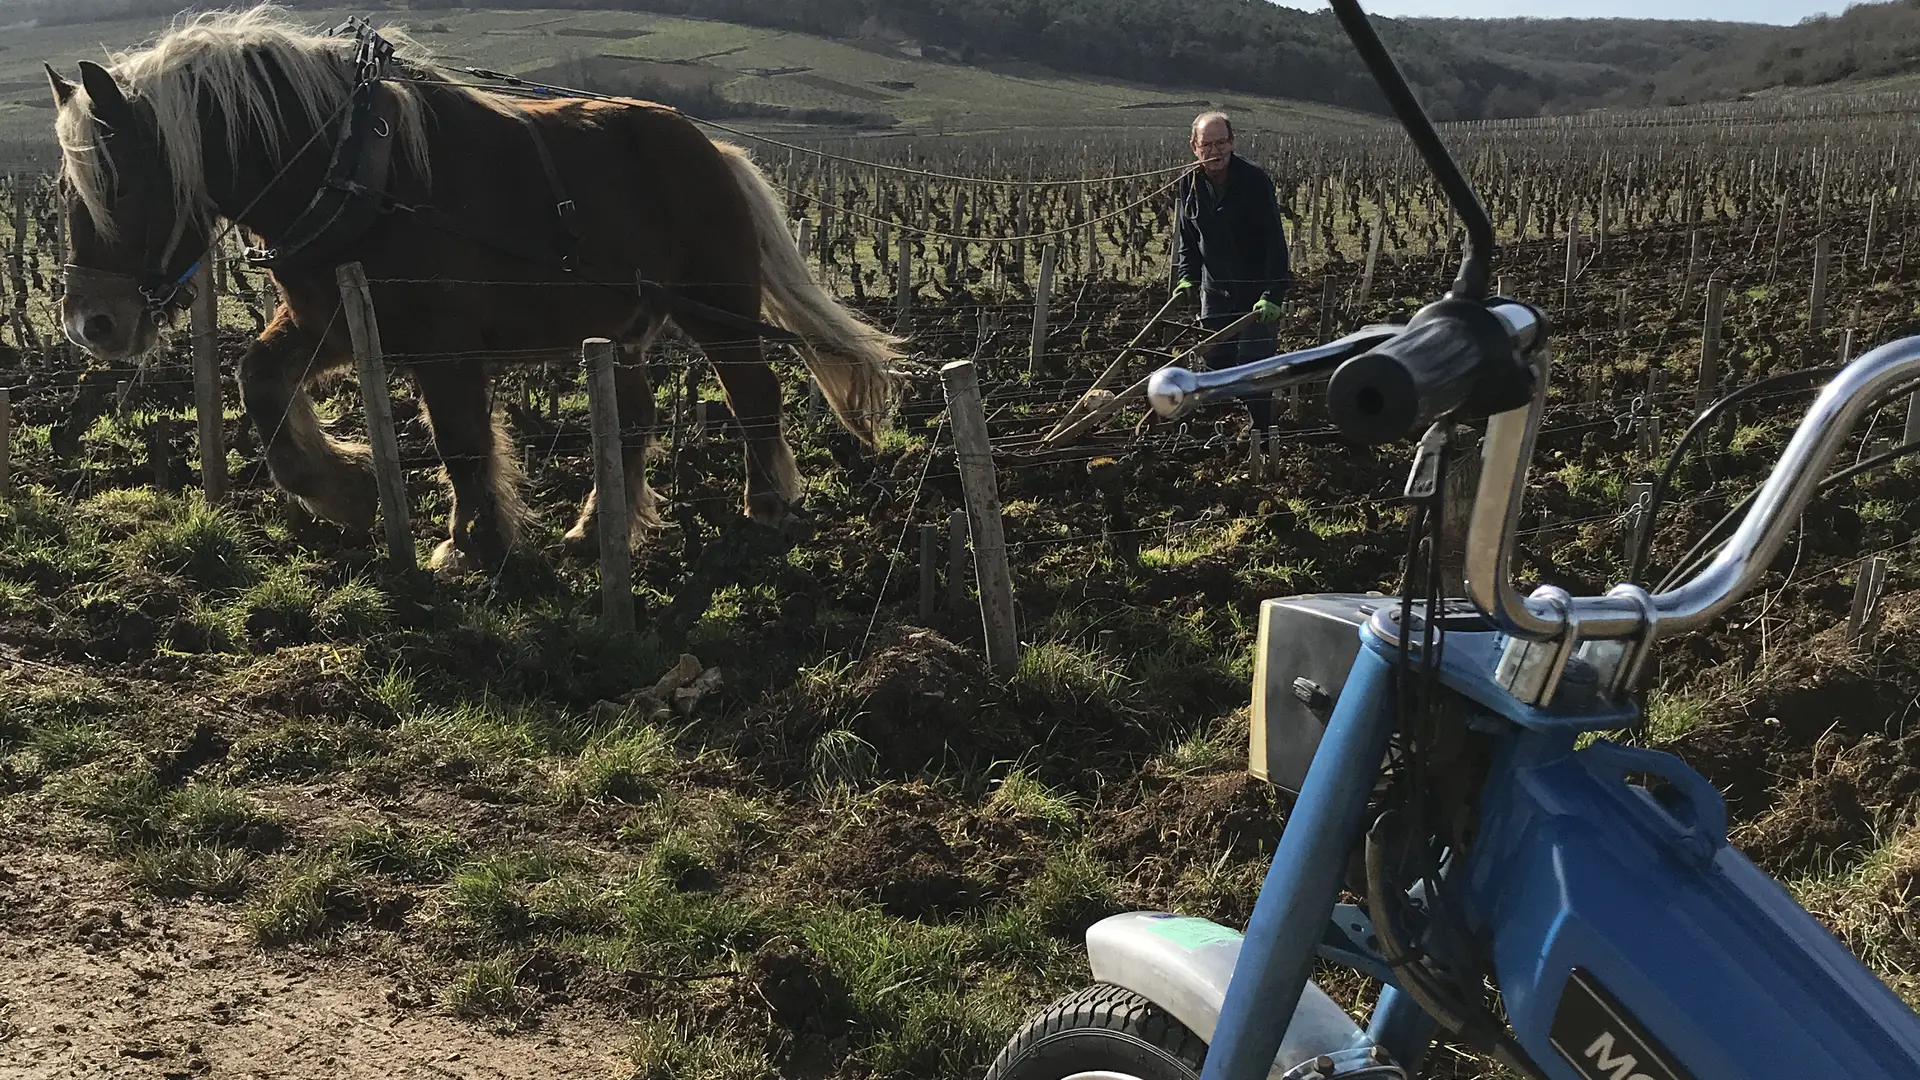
1266	311
1184	286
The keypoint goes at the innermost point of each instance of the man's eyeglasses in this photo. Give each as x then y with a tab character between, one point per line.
1215	144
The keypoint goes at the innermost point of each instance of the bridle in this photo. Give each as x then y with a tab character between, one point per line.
165	293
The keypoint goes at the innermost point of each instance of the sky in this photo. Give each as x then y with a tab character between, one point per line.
1783	12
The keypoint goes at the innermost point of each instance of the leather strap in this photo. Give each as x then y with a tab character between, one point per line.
563	207
353	194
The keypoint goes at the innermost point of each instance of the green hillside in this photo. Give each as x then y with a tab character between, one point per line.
1868	47
764	78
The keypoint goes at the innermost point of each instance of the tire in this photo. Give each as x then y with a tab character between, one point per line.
1104	1030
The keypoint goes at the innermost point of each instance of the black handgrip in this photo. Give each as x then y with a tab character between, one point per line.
1454	357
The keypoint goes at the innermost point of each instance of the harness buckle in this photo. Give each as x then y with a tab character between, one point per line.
569	217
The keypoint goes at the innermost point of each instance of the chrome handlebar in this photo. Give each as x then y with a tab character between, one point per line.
1549	627
1175	391
1629	613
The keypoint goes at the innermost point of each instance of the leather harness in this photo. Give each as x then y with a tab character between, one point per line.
354	195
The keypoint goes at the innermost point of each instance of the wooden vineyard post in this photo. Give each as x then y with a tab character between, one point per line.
1693	260
1863	622
6	442
1703	394
1817	301
1366	272
903	284
1639	501
1256	461
975	456
929	568
610	507
1912	431
804	240
23	332
1866	249
1573	261
957	561
1040	297
1327	295
357	300
1779	239
204	318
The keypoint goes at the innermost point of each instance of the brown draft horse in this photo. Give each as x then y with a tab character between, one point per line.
235	117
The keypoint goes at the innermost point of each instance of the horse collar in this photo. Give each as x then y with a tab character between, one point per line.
353	194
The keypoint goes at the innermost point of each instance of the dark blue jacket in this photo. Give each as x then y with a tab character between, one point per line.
1232	243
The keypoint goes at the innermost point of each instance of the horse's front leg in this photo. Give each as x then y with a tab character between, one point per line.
332	478
477	450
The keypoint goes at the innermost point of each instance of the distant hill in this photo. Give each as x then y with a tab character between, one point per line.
1868	43
1590	61
1461	68
1236	46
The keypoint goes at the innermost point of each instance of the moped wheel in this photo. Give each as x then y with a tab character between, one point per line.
1103	1032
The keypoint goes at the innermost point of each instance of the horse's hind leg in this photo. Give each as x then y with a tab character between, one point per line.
633	391
753	394
333	479
477	452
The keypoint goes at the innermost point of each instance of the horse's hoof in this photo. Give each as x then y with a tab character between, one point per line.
578	543
788	518
450	560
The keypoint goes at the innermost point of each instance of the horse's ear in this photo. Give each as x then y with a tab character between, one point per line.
109	103
62	89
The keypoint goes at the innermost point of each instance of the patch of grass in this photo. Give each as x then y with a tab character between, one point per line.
498	741
492	895
1191	545
904	983
1062	669
400	852
203	544
211	627
353	611
121	512
64	743
1207	748
140	812
680	860
214	814
210	870
1072	891
280	602
18	598
1019	794
1874	907
297	748
1671	715
301	902
1222	889
396	690
840	762
488	990
624	765
666	1048
680	933
572	904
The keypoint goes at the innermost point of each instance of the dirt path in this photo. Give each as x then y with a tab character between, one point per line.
95	982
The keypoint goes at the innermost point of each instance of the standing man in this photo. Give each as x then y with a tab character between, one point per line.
1233	249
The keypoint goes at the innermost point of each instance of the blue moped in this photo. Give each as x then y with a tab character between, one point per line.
1572	908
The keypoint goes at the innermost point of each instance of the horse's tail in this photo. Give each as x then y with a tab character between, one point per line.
848	357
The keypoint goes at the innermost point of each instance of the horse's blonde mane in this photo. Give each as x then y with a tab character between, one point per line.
221	54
